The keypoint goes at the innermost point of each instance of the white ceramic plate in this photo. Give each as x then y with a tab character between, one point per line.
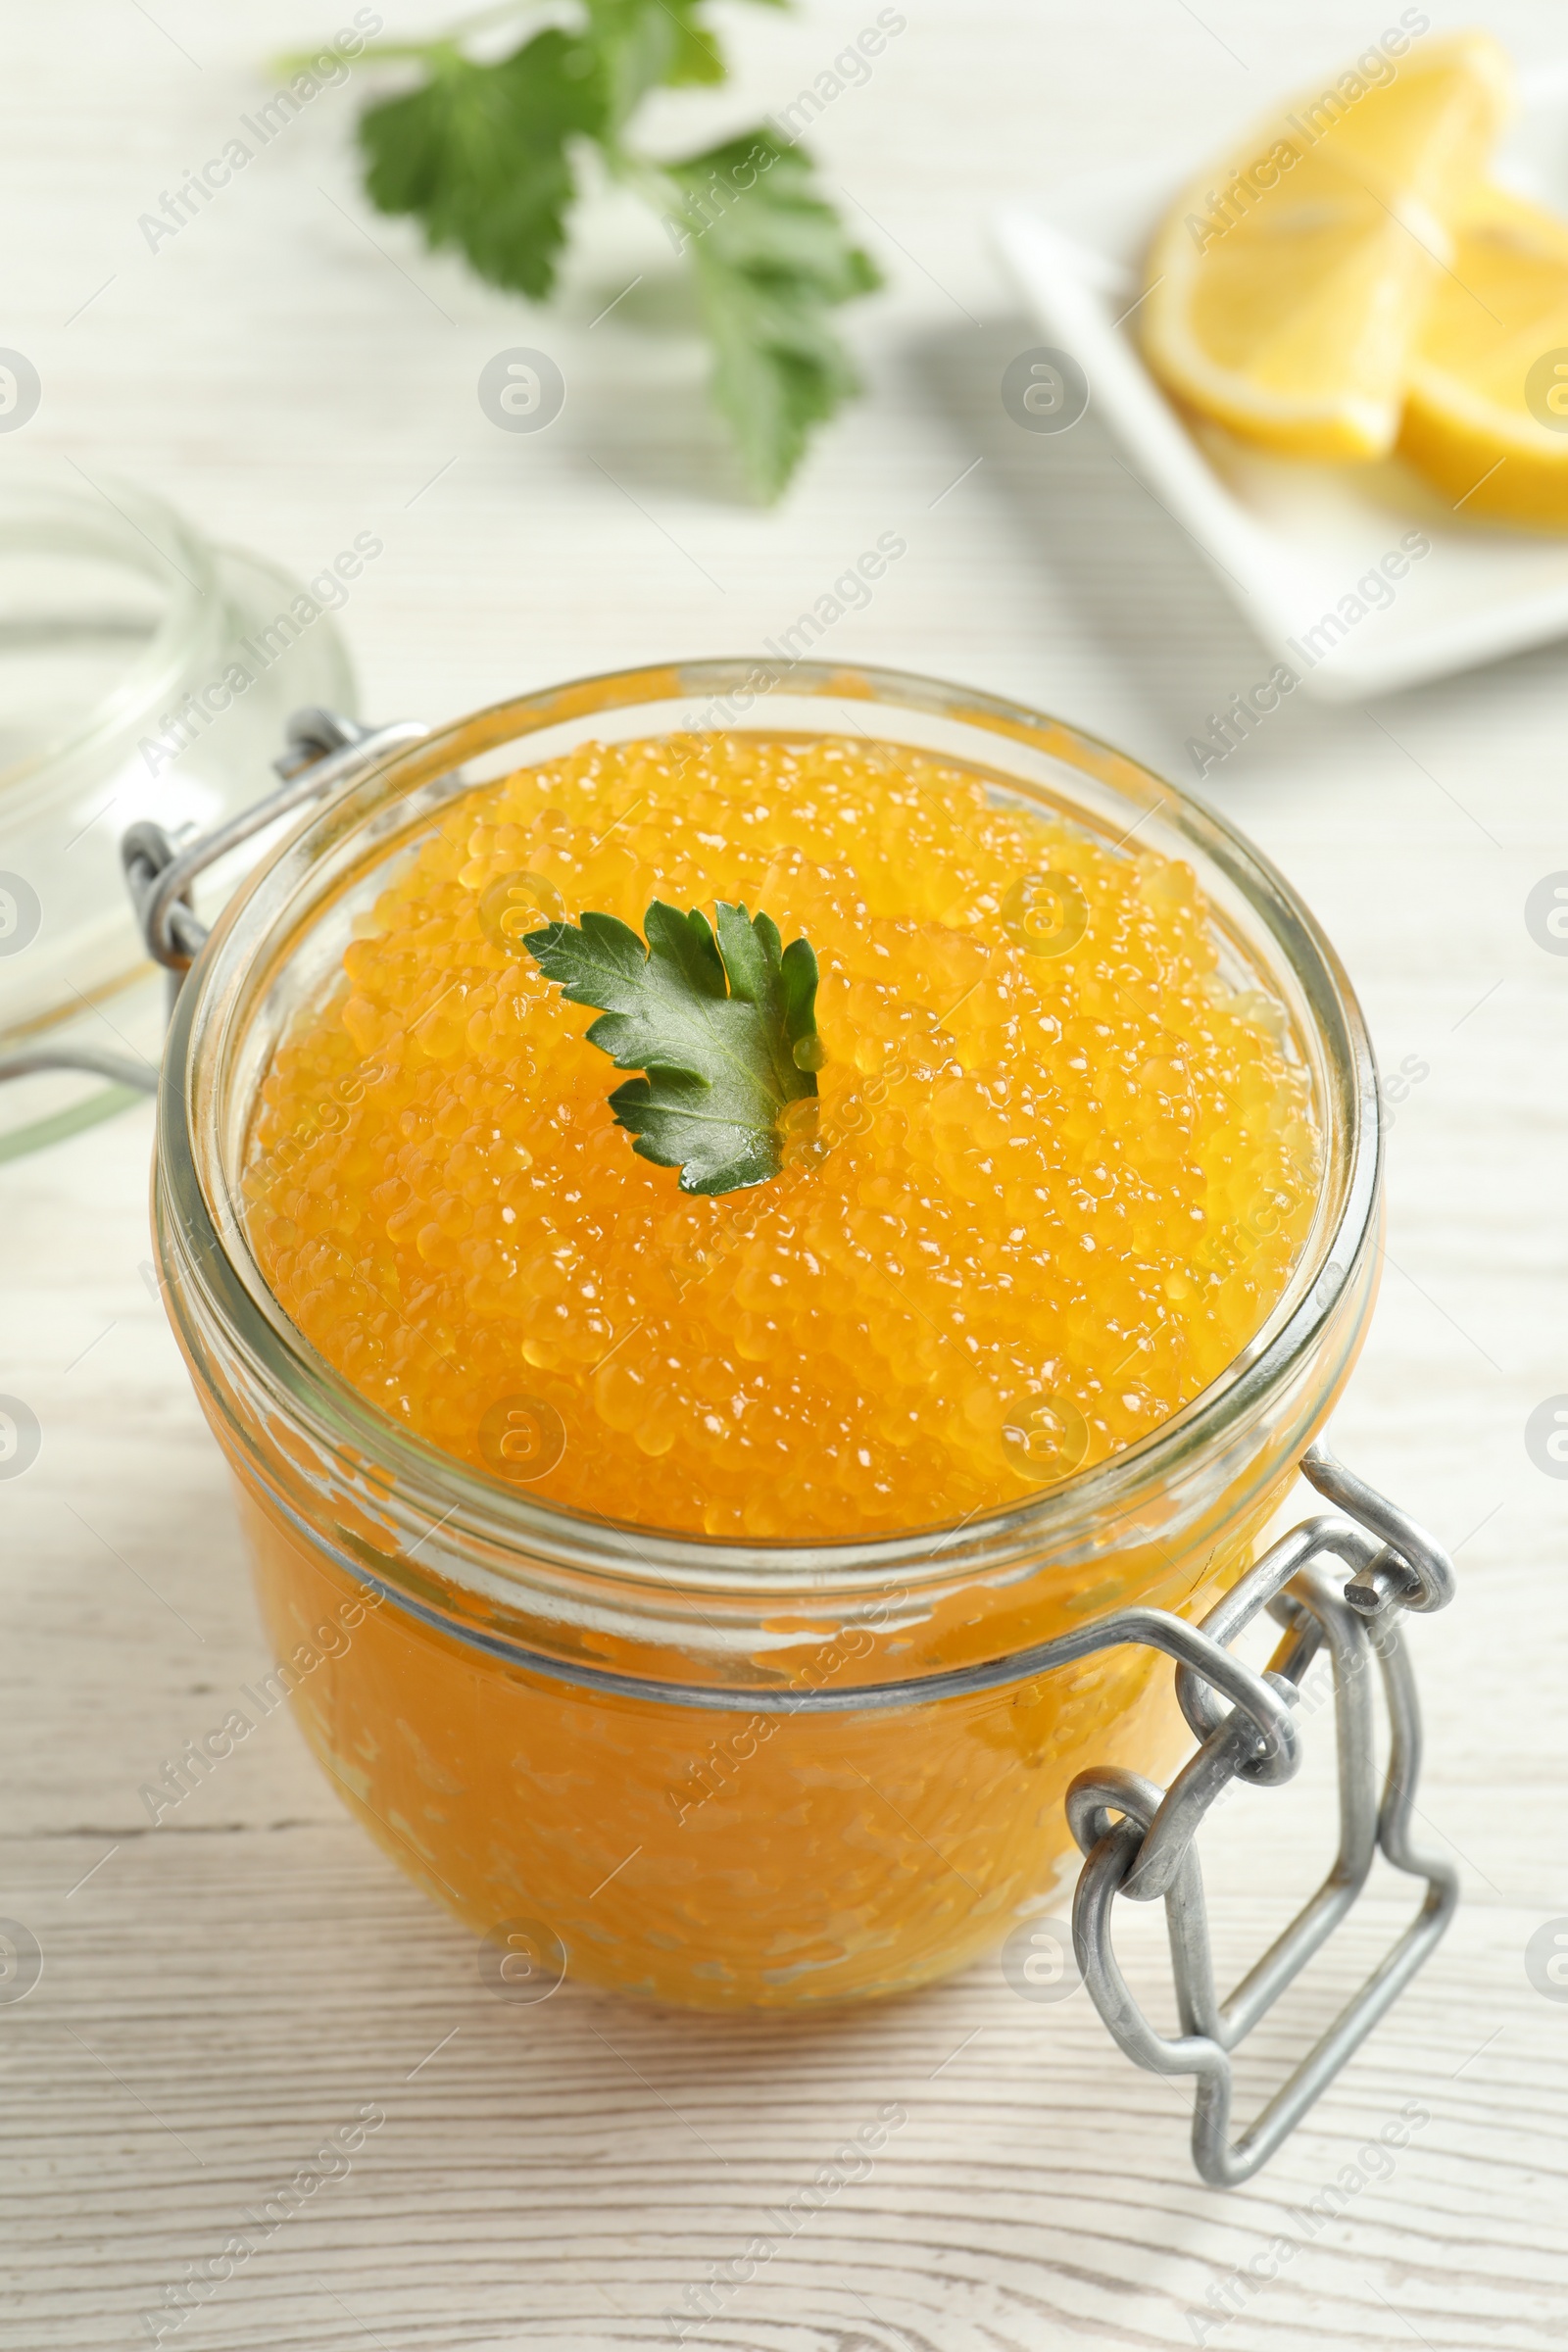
1291	541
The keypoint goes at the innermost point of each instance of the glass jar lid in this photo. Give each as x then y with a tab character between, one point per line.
145	675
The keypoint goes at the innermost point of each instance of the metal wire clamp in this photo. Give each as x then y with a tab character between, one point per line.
325	750
1138	1840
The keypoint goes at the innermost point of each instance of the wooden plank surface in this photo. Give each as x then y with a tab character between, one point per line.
223	1992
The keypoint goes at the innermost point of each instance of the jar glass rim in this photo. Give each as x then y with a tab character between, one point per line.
203	1232
118	522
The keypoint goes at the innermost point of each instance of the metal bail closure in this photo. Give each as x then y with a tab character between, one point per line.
1139	1840
326	753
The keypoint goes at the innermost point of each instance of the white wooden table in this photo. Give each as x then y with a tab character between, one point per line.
223	1991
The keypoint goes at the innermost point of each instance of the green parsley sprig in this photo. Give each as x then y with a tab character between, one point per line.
487	157
724	1028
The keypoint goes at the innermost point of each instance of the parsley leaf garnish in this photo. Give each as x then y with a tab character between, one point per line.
724	1028
486	156
771	261
642	47
479	153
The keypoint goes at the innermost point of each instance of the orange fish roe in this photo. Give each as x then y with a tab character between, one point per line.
1055	1178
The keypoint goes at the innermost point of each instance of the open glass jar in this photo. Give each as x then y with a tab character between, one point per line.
721	1774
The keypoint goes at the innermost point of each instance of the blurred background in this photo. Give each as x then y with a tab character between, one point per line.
293	368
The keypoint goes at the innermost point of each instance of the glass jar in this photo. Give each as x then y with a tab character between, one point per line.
144	673
719	1774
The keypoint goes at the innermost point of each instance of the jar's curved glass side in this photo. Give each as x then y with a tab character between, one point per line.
694	1846
728	1858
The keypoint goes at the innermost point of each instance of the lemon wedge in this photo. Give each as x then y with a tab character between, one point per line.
1284	294
1486	416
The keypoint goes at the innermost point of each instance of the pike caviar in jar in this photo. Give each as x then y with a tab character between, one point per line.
649	1560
